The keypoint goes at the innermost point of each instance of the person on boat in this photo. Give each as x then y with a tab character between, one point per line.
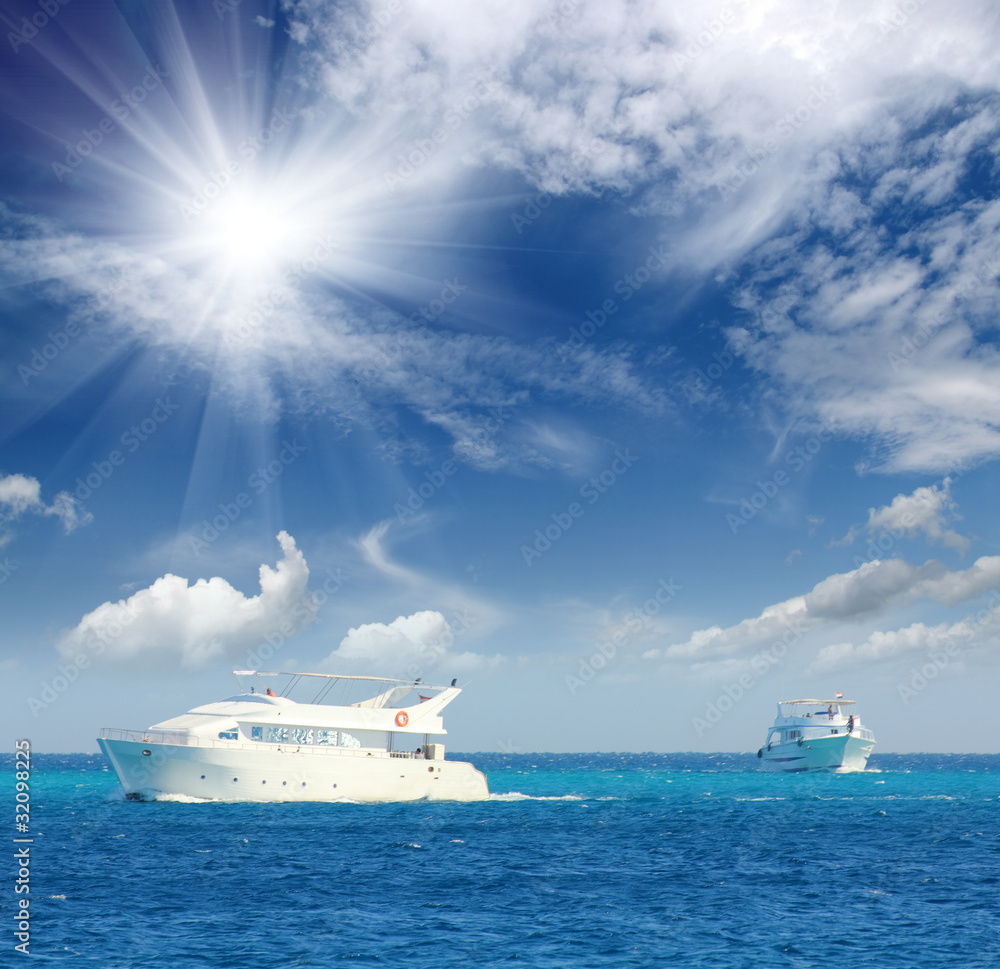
850	724
830	711
270	692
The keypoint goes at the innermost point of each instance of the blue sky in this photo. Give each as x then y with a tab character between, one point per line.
633	363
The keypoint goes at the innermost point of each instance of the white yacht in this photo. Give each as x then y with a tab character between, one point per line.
261	745
816	735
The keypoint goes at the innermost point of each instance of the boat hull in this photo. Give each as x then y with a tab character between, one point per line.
843	752
147	770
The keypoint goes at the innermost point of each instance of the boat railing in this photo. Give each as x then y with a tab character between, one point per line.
187	740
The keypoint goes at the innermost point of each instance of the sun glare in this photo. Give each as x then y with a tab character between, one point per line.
249	235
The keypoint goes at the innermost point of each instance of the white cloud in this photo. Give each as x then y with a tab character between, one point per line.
923	511
361	363
866	591
608	93
196	624
21	495
946	642
951	588
884	646
371	546
408	647
792	135
778	142
899	355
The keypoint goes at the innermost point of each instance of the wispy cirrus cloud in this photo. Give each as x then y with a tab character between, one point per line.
778	144
308	350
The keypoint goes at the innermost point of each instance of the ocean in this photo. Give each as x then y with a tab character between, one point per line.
589	860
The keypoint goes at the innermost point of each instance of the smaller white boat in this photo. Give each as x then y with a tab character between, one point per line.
816	735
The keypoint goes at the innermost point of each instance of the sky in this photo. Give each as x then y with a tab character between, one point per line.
633	362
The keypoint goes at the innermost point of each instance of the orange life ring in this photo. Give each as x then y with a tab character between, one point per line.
402	718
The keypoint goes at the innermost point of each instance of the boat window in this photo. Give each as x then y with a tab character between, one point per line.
327	738
229	735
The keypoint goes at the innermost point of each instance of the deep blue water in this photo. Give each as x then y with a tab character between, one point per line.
596	860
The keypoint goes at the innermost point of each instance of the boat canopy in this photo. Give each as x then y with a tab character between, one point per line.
797	709
840	701
392	690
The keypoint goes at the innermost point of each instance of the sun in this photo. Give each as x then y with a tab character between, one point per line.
249	234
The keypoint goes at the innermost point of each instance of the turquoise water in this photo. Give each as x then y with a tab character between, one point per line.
596	860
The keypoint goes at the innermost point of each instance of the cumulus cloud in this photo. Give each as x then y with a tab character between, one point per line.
951	588
409	646
864	592
949	640
22	495
923	511
196	624
884	646
926	511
